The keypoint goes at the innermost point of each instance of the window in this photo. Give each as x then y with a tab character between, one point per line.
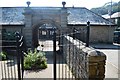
43	32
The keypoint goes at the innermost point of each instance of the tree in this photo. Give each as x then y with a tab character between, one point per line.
104	9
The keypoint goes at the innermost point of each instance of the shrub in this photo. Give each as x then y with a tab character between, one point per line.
35	60
3	55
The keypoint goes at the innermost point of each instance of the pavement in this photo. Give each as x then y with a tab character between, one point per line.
112	51
105	46
62	70
111	67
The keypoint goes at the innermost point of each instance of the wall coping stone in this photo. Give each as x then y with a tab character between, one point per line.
93	55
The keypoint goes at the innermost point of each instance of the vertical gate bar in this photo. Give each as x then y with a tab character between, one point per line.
75	58
14	68
22	57
73	54
8	71
54	53
11	69
18	57
5	70
59	37
79	61
2	67
66	58
69	57
59	61
22	63
88	34
62	57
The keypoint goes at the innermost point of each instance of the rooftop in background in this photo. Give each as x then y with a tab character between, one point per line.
77	15
115	15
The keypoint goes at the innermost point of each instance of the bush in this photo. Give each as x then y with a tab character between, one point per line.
35	60
3	55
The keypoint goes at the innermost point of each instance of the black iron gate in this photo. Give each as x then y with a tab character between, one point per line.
12	64
69	61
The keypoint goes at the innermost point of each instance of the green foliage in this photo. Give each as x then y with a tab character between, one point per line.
3	55
100	10
104	9
35	60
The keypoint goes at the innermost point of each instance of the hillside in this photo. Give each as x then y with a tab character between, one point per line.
105	9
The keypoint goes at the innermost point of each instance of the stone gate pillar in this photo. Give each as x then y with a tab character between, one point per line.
28	26
64	21
63	28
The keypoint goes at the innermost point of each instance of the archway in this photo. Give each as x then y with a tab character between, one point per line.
43	29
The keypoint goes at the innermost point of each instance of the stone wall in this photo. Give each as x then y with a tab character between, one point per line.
98	34
101	34
36	17
84	62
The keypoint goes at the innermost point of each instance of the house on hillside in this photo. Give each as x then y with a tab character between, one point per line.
15	19
114	17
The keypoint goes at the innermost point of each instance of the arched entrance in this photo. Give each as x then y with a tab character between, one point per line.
46	31
43	30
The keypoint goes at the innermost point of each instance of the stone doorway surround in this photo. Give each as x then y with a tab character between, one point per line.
36	17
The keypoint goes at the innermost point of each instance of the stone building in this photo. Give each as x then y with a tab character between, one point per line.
28	21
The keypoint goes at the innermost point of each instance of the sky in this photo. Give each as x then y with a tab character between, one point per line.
55	3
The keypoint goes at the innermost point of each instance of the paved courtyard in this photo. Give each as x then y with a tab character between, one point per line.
112	69
62	68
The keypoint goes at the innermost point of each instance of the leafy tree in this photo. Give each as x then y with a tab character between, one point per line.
104	9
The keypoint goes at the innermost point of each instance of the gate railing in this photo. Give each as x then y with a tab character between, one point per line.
71	62
12	67
20	55
77	60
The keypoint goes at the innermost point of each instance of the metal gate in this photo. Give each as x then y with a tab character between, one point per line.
12	66
69	61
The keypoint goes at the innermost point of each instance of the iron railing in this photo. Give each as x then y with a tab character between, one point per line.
12	67
71	61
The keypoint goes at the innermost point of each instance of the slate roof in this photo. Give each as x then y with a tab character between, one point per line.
82	15
13	15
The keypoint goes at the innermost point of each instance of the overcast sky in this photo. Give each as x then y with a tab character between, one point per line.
55	3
